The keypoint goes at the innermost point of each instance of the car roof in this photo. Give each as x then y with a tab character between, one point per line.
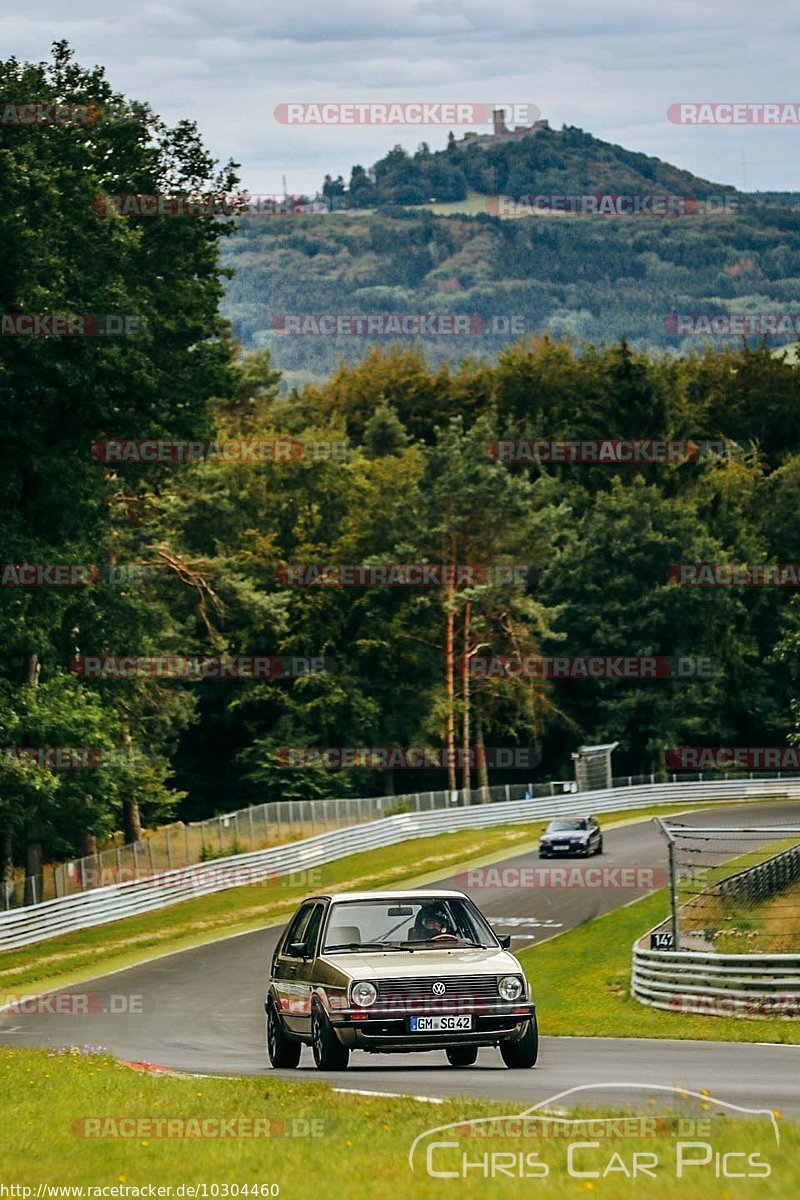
409	894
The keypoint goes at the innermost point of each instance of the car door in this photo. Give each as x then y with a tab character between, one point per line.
286	965
304	980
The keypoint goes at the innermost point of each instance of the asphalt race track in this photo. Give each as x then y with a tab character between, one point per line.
201	1010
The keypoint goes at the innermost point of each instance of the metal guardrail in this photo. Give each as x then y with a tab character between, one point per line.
24	927
764	879
255	828
263	825
707	983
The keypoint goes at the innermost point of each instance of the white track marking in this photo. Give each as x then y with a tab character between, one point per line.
389	1095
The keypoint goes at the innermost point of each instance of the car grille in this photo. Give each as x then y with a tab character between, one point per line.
411	992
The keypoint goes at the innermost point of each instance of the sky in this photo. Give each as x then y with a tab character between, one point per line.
611	67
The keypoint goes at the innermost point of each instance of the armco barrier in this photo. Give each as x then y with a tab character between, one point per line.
257	827
710	984
23	927
721	985
765	879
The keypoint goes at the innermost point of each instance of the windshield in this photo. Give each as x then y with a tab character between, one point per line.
562	826
412	924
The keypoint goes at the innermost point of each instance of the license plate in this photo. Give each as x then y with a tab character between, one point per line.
438	1024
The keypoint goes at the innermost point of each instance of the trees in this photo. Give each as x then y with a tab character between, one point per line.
59	395
471	511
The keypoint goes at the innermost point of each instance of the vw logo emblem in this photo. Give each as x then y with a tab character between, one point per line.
438	989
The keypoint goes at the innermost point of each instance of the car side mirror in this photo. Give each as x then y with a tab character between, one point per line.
505	941
298	949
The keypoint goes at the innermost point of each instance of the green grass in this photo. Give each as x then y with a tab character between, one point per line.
739	924
764	927
476	202
581	982
361	1145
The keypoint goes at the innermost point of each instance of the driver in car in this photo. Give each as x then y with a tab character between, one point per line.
431	922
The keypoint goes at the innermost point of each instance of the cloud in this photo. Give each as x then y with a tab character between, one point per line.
613	68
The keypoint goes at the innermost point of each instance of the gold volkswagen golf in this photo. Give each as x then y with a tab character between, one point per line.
391	972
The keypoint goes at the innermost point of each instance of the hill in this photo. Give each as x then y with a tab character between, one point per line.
597	278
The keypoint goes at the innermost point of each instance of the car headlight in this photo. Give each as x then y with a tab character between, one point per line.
510	987
363	994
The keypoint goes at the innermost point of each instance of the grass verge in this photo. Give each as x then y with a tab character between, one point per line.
581	981
359	1144
738	923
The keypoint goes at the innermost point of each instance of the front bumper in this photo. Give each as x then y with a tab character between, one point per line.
547	849
388	1029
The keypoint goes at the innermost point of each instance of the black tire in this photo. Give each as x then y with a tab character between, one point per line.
461	1056
329	1053
524	1053
599	847
282	1051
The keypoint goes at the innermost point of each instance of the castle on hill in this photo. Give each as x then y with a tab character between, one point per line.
501	133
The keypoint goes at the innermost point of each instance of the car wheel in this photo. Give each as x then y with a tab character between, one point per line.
461	1056
282	1051
329	1053
599	847
524	1053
